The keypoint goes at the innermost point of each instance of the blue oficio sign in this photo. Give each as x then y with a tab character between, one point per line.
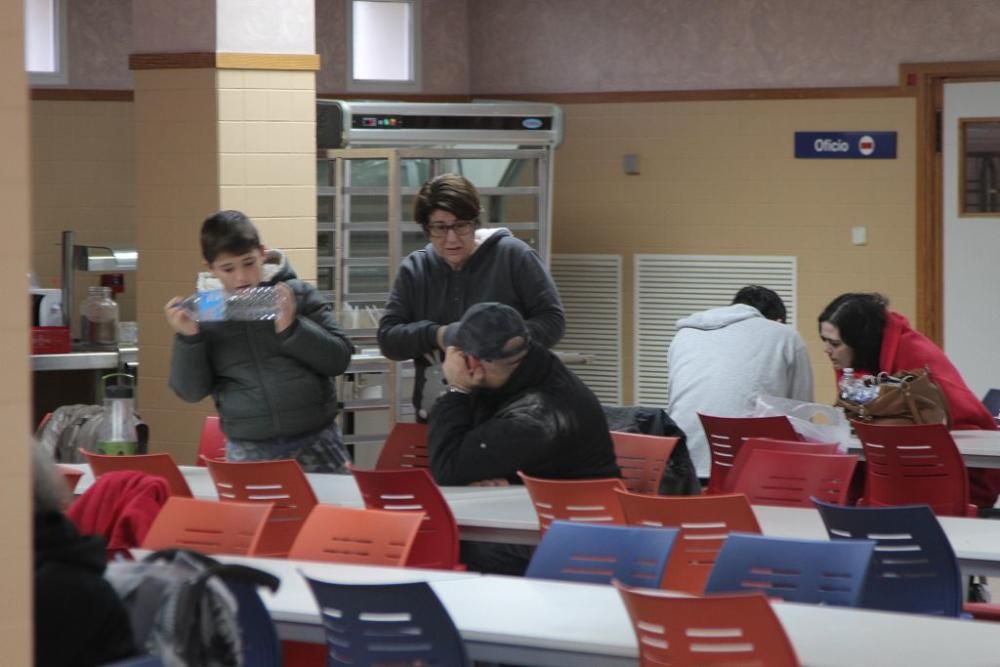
845	145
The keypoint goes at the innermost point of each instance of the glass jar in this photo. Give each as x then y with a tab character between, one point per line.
99	318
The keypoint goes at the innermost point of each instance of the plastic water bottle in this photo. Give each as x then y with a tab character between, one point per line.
846	384
245	305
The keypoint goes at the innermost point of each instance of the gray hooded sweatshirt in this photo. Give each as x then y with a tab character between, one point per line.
720	359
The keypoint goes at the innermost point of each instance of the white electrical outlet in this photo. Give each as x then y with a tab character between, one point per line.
859	235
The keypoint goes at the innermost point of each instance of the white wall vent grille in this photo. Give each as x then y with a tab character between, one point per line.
671	287
591	291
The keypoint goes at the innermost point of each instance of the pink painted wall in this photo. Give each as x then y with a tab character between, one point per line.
522	46
99	43
444	47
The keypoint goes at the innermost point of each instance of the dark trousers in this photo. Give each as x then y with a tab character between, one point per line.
496	558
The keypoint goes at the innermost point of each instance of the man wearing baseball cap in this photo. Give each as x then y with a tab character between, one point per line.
512	405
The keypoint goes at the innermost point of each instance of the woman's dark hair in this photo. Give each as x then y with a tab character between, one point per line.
860	317
229	232
763	299
448	192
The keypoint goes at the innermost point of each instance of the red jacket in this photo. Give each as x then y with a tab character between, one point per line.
905	349
120	506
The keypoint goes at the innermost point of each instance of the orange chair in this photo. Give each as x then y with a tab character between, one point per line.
281	483
208	526
789	479
642	459
725	436
351	535
584	500
161	465
704	523
212	442
722	630
752	444
406	447
436	545
71	475
912	465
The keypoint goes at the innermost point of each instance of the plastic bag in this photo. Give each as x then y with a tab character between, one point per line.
813	421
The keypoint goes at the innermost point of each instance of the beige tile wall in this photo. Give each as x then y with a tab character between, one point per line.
83	178
209	140
15	478
720	178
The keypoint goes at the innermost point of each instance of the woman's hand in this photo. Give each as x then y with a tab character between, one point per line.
287	307
180	319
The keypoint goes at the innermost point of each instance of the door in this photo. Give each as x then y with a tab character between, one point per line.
971	230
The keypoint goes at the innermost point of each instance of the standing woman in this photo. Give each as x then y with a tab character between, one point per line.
859	331
461	266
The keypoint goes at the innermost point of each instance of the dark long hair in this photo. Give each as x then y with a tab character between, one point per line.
860	317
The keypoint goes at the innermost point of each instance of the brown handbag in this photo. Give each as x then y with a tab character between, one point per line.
909	397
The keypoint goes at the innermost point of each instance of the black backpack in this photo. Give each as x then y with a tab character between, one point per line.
190	610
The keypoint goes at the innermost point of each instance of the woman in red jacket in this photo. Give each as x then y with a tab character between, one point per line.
859	331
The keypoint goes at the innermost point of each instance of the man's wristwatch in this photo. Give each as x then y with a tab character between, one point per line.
457	390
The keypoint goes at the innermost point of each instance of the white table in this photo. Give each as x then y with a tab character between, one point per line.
557	623
979	449
330	489
511	518
509	619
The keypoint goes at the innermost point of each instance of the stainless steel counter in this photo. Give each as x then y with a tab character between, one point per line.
83	361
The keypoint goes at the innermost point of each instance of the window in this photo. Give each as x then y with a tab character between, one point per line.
45	41
383	43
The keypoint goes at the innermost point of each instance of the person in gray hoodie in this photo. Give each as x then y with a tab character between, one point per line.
721	358
461	266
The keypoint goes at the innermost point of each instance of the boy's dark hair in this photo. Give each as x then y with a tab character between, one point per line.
763	299
860	318
228	232
448	192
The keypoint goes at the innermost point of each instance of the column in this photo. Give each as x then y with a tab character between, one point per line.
225	119
15	391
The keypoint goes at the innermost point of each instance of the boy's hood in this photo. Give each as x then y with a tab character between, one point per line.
274	269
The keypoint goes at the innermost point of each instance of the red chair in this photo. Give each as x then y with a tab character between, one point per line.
406	447
212	442
642	458
208	526
704	523
436	545
789	479
918	464
281	483
161	465
71	475
724	630
725	436
752	444
352	535
584	500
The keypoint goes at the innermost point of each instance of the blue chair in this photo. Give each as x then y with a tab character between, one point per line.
261	646
913	569
397	624
598	553
992	402
812	571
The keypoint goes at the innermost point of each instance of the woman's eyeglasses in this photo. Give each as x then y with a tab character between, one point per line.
439	230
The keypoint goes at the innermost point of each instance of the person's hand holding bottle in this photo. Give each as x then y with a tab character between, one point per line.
179	318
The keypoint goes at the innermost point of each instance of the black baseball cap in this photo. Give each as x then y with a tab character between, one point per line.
486	329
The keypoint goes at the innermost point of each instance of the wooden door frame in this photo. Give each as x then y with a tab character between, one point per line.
927	80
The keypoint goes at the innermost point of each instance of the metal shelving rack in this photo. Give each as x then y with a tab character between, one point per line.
369	173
